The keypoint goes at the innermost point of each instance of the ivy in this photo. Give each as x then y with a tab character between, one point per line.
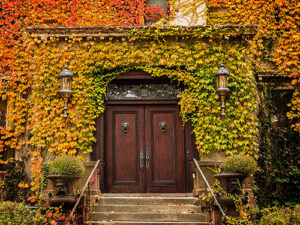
44	179
13	186
199	102
189	56
276	45
96	63
278	178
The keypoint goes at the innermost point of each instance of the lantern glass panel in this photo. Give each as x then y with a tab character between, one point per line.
61	83
66	83
222	82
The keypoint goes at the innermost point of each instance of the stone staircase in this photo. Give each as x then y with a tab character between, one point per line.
147	209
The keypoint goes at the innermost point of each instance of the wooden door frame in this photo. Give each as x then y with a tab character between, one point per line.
188	137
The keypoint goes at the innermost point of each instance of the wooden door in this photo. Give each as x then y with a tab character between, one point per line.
123	144
144	149
164	145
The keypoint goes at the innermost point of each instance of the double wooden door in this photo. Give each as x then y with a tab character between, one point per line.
144	149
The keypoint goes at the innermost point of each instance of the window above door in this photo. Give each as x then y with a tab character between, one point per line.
155	10
142	91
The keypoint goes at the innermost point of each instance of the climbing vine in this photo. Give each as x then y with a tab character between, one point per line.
277	181
36	127
276	47
18	71
95	63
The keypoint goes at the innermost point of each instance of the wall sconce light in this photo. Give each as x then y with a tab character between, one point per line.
65	77
222	86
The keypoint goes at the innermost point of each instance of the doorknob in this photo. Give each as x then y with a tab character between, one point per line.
141	158
147	158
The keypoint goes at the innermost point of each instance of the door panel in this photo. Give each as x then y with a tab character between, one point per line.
163	149
163	132
125	148
122	156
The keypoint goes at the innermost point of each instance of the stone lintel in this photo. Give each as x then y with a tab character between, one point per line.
225	31
275	79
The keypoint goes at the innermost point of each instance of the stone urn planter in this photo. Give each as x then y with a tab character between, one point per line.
63	186
64	172
236	169
231	183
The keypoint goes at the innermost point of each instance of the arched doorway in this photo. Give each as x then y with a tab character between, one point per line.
144	143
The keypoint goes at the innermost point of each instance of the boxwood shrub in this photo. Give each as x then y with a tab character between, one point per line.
66	165
239	164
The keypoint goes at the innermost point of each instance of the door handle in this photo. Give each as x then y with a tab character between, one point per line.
147	158
141	158
188	154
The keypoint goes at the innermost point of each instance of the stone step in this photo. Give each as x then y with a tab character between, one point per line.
145	222
147	195
133	216
110	200
171	208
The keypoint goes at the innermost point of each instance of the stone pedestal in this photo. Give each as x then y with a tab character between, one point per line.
207	167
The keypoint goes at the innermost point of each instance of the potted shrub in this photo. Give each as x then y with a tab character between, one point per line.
64	171
235	169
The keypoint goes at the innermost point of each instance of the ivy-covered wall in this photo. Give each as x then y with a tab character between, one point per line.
31	59
277	182
190	58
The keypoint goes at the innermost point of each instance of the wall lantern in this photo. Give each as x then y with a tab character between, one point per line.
65	77
222	86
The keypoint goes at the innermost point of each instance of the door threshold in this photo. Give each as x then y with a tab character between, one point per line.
147	194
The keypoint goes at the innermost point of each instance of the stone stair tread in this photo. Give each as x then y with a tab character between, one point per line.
147	195
170	204
147	213
146	200
146	208
149	222
148	217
